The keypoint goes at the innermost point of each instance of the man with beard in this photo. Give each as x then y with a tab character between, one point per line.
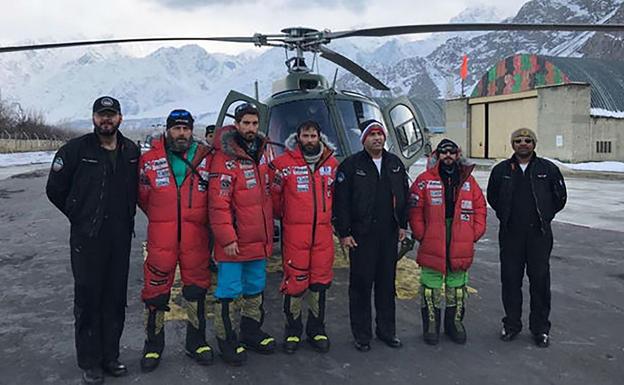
447	214
370	208
173	193
302	198
241	218
93	182
526	192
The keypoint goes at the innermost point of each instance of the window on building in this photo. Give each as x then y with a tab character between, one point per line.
603	147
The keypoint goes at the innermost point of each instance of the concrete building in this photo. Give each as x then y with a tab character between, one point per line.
575	105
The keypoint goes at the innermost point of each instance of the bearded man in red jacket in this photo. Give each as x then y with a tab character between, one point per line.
302	198
447	215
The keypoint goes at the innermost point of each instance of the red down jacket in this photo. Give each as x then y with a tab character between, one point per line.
427	219
303	199
240	206
178	218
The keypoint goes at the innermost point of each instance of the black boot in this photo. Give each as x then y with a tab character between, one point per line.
196	346
252	317
232	352
454	314
430	310
294	326
155	341
315	326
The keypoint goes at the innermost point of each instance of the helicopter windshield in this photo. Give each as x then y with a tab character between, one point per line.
285	118
352	113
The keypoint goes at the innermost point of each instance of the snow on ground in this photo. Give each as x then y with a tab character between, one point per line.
607	166
25	158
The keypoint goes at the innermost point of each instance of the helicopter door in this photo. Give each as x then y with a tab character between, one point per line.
226	115
407	133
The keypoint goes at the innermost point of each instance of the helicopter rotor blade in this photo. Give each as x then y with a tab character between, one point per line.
465	27
352	67
257	39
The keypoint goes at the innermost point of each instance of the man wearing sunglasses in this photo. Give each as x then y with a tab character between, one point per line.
241	217
526	192
173	193
447	213
93	181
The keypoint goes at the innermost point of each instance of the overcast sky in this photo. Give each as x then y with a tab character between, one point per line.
58	20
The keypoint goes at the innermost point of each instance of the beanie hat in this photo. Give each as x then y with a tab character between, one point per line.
447	144
523	132
369	126
180	117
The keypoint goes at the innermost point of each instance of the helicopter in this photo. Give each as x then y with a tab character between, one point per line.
303	95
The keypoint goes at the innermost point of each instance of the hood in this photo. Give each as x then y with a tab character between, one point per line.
291	142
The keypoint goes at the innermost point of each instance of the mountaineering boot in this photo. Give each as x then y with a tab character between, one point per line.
232	352
315	326
454	314
196	346
430	310
252	317
155	341
294	326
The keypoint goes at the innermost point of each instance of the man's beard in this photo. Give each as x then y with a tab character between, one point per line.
106	131
179	145
311	150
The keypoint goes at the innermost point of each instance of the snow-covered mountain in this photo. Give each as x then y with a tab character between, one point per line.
63	83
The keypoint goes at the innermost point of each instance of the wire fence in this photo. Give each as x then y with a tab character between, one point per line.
24	142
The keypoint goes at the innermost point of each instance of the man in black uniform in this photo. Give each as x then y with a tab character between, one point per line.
526	192
93	181
370	216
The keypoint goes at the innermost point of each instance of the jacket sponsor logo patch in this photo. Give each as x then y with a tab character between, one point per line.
330	181
202	164
421	185
134	160
201	187
340	177
303	179
465	217
249	174
300	170
542	176
162	173
435	193
466	205
251	183
162	182
302	188
230	164
396	169
325	170
434	184
466	186
87	160
360	172
226	182
436	201
412	201
159	163
286	172
57	164
245	164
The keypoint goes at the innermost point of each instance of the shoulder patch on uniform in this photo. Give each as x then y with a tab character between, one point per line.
57	164
340	177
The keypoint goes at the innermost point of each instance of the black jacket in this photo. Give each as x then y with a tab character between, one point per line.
547	184
354	196
77	181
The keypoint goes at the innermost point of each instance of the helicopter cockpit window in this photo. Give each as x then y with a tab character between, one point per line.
285	118
408	133
352	113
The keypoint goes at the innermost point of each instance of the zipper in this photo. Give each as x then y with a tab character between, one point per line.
323	193
179	215
262	188
191	193
539	212
313	205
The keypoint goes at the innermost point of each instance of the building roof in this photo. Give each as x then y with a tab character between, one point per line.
523	72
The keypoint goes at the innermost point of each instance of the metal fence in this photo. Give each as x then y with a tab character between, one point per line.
23	142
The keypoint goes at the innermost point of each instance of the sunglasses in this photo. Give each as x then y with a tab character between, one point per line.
452	152
525	140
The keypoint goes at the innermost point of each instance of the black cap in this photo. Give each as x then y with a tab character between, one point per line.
180	117
447	144
210	129
106	103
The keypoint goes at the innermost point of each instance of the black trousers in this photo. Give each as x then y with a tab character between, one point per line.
373	265
528	247
100	269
